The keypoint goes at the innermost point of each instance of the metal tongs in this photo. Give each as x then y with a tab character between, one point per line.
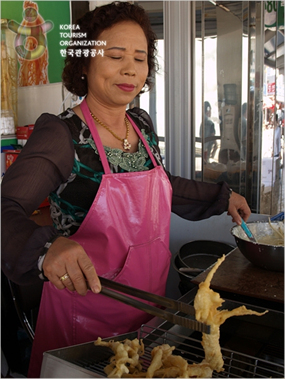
107	289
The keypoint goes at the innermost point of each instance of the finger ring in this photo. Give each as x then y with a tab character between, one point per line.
63	277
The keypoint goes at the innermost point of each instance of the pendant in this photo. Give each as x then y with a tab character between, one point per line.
127	145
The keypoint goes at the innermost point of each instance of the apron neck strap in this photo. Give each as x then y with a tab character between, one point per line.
146	145
90	122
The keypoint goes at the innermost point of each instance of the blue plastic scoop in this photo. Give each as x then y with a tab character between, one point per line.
247	231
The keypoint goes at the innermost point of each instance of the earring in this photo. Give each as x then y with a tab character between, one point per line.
83	77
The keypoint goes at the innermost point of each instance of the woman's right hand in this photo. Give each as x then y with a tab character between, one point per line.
68	257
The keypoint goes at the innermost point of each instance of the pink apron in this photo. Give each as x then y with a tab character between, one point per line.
126	235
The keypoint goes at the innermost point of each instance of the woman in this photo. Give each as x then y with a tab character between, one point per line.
110	197
210	131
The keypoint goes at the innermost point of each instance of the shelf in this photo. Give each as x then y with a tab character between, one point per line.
8	136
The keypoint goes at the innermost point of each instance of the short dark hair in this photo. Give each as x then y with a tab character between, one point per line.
93	23
207	106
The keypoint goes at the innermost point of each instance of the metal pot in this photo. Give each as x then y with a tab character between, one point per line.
196	256
202	254
185	284
269	257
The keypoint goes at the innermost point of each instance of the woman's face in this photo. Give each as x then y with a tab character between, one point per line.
117	77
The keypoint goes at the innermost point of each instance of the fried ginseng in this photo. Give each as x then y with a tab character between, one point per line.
206	303
126	359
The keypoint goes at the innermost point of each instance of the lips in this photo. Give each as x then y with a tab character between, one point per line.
126	87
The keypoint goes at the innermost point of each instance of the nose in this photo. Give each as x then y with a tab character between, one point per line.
128	67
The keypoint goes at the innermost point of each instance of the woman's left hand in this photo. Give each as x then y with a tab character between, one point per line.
238	208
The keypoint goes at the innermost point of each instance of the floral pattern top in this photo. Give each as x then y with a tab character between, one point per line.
67	215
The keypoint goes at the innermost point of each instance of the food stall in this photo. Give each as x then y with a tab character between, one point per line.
251	346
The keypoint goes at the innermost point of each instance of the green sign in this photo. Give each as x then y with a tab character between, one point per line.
40	21
274	13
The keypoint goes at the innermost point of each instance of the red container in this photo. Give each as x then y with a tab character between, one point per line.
24	132
11	156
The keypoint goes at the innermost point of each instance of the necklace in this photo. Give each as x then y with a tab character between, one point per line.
126	143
